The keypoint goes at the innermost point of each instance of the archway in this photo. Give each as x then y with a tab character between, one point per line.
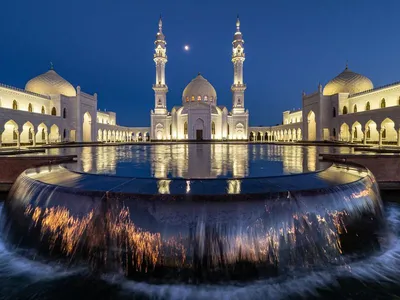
357	131
239	131
100	135
371	131
139	137
42	134
87	127
345	132
54	134
159	131
259	136
27	134
299	136
312	126
198	129
105	138
10	134
389	134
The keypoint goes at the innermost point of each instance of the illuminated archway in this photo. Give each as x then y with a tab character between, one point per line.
312	126
87	127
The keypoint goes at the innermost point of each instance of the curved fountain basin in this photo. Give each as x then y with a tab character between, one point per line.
197	229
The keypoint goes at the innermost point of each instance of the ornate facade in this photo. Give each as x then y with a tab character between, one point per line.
199	117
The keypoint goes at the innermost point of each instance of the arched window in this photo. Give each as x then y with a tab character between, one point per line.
53	111
159	101
43	110
185	128
65	114
211	99
15	105
205	98
355	132
345	110
187	98
383	103
212	128
384	133
198	98
192	98
334	112
355	108
227	128
368	133
43	134
30	135
30	107
368	106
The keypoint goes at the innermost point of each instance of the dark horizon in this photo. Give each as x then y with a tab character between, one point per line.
107	48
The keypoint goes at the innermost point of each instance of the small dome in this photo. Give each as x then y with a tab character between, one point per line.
199	89
50	83
348	82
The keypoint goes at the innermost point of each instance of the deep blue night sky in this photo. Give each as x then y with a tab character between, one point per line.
107	47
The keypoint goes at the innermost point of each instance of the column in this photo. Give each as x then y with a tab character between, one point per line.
18	139
380	136
398	137
33	138
46	137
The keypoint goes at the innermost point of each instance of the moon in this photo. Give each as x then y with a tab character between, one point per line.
186	47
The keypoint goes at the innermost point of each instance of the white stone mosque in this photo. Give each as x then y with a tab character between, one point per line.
348	108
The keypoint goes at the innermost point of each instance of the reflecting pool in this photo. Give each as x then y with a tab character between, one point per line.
199	160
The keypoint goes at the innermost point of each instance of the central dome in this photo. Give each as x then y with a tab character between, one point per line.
50	83
348	82
199	89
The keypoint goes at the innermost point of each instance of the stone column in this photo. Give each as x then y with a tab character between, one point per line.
33	138
398	137
365	136
380	136
18	139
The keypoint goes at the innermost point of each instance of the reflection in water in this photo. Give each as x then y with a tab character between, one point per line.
198	160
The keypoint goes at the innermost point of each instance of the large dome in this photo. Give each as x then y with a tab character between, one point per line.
199	89
50	83
348	82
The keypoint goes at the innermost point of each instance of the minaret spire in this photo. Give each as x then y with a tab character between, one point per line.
238	58
160	58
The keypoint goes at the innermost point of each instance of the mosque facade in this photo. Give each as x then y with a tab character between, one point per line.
348	108
199	117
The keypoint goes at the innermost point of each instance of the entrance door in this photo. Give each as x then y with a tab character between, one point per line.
199	134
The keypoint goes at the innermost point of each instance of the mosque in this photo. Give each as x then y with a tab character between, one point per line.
348	108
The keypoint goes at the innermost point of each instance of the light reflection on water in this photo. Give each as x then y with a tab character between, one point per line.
198	160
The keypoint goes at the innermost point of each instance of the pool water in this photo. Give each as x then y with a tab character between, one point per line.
198	160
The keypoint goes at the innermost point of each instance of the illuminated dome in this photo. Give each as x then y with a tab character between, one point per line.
50	83
199	89
348	82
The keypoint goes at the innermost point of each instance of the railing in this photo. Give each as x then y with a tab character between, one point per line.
23	91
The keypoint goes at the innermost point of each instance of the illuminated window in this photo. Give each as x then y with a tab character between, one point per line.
43	135
198	98
15	105
213	128
30	107
185	128
383	103
192	98
368	106
53	111
187	99
355	108
344	110
43	110
211	99
205	98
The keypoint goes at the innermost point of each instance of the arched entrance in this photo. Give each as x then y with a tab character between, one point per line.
312	126
198	129
345	132
54	134
87	127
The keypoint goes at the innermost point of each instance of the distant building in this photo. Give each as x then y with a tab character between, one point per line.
199	117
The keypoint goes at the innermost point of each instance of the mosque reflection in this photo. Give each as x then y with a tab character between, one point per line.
201	160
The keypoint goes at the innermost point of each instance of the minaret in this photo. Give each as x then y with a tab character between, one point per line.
160	58
238	57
